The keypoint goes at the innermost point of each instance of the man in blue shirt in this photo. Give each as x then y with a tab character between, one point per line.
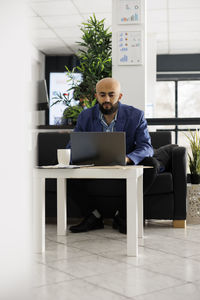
110	115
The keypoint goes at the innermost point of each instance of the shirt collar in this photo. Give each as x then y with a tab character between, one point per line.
101	117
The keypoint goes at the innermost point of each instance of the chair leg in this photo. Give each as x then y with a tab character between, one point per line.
179	223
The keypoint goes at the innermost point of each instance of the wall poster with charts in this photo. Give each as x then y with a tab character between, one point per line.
129	48
129	11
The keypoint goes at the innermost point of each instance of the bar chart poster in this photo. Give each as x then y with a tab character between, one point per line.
129	48
129	11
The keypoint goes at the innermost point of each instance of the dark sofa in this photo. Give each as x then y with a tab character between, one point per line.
166	199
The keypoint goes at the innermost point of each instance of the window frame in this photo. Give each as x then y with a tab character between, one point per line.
176	77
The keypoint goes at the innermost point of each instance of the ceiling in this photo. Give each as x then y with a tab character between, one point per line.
55	24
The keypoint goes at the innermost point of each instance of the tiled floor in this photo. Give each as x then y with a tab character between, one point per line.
94	265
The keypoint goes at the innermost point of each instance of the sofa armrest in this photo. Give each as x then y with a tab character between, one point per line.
179	175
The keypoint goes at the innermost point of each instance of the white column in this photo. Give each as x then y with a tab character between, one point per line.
151	76
131	77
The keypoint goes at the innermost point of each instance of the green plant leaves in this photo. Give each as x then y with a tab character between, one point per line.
72	112
94	56
194	157
95	63
64	98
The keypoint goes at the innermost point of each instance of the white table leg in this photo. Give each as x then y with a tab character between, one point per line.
39	214
132	216
61	206
140	202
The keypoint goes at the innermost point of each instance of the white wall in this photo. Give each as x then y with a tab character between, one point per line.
150	75
37	64
132	77
15	200
21	65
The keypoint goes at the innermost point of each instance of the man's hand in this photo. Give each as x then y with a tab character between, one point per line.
128	161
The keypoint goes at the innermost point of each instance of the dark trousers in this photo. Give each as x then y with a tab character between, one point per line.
80	190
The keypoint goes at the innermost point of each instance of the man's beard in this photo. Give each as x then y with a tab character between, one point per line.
108	111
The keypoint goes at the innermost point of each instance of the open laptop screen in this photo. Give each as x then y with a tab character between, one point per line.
98	148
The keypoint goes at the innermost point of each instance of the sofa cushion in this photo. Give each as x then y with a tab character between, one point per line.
163	184
160	138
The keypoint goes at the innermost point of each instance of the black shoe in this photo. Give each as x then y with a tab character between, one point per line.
119	224
89	223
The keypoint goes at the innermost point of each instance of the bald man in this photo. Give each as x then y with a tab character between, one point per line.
110	115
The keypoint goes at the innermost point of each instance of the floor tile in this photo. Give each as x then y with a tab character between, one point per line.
145	256
70	238
100	244
81	267
75	290
58	252
184	269
43	275
182	248
133	281
183	292
195	257
190	233
109	232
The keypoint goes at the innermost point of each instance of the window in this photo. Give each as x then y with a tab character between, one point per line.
189	99
59	83
165	99
188	106
178	98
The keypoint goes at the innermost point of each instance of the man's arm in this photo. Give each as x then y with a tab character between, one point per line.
143	147
80	123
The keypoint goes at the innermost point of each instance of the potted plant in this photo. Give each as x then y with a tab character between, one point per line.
71	113
94	55
194	156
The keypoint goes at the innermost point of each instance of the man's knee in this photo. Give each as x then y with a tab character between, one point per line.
150	161
149	173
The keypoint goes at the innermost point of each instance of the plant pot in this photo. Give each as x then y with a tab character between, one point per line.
193	204
68	121
195	178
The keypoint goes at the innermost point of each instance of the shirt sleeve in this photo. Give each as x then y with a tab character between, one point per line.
143	147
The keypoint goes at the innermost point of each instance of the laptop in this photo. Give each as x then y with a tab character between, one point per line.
98	148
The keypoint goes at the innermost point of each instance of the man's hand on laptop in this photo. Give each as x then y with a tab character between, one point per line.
129	161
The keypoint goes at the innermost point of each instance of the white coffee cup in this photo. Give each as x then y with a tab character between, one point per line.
63	156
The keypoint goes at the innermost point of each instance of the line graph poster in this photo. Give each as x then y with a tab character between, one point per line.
129	48
129	11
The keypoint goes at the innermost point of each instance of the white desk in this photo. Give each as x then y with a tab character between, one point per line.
134	192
